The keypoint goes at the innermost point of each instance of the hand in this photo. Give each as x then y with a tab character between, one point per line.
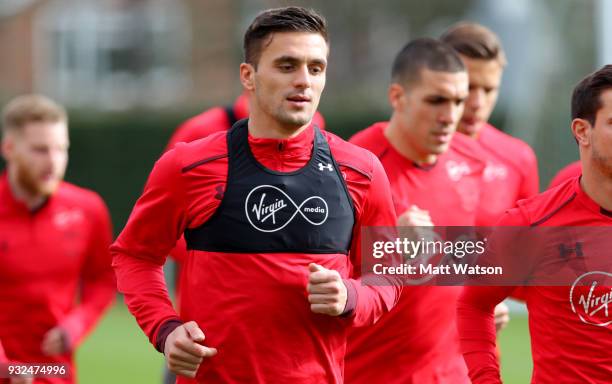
183	350
415	217
502	316
326	291
55	342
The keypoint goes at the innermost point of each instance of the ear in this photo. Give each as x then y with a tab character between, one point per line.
581	129
247	76
6	146
395	93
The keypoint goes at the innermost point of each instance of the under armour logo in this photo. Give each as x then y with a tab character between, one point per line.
328	167
565	251
269	209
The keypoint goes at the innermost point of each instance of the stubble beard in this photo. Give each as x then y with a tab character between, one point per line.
602	162
29	183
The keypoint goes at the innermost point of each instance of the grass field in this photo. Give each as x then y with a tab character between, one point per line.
119	353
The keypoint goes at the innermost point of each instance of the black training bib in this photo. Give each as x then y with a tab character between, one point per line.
263	211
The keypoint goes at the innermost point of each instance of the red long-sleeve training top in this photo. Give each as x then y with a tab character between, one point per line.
511	173
417	342
252	307
569	343
49	257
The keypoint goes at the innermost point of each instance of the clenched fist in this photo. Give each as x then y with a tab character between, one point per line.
183	350
326	291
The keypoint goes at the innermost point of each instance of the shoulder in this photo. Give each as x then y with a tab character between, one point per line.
540	208
569	171
513	149
208	122
352	156
186	156
372	138
75	196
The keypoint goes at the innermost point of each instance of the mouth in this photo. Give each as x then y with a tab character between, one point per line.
298	100
470	123
47	177
443	137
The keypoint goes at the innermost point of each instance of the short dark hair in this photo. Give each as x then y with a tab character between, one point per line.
422	53
33	108
287	19
586	98
475	41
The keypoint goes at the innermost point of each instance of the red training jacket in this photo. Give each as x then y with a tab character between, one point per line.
49	257
252	307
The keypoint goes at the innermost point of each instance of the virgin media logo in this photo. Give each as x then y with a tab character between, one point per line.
591	298
270	209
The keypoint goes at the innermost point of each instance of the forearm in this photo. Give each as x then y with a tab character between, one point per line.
476	326
146	295
367	303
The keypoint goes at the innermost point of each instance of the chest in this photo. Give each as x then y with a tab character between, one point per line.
450	190
50	243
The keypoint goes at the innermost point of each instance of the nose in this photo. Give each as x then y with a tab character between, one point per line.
302	78
475	98
449	114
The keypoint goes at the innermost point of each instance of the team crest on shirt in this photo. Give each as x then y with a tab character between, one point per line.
591	298
270	209
68	217
495	172
457	169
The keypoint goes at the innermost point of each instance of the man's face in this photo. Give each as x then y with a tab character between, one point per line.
430	110
601	135
289	79
485	78
37	156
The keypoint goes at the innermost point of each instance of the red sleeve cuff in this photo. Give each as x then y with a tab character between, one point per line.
351	298
164	330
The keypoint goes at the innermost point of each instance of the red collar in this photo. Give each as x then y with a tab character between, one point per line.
8	200
586	200
299	147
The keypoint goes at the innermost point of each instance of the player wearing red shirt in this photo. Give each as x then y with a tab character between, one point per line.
54	240
432	184
271	212
217	119
570	171
511	173
567	346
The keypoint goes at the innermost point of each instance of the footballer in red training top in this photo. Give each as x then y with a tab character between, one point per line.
511	172
54	240
432	183
571	330
218	119
271	212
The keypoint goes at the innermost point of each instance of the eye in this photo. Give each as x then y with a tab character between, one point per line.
315	70
285	67
437	100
